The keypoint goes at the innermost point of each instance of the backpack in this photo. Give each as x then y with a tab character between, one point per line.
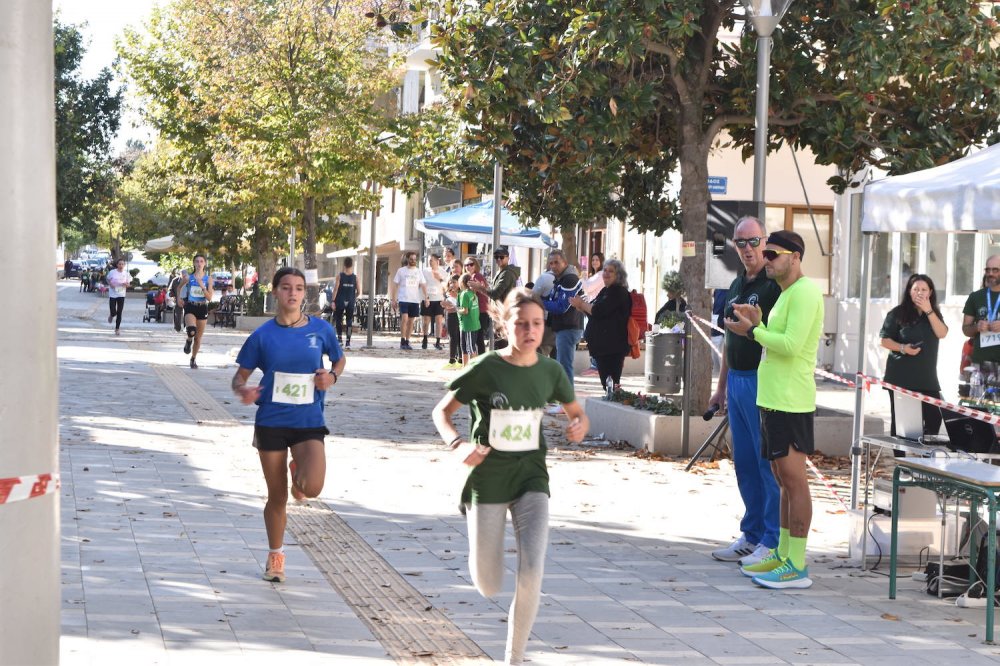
639	312
634	335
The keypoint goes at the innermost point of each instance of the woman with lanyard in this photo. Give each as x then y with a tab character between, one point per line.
911	332
289	350
194	298
505	453
118	281
345	294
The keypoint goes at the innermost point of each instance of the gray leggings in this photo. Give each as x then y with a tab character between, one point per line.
530	516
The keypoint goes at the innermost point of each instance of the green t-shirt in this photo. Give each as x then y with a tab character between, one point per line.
492	384
742	353
469	321
917	372
790	339
976	307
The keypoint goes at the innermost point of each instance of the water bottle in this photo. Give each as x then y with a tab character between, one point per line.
976	384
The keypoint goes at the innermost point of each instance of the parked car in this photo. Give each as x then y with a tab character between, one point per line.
160	279
222	280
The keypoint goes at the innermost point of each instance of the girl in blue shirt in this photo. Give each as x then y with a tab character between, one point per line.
289	350
194	298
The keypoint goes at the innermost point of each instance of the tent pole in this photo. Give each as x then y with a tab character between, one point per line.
859	392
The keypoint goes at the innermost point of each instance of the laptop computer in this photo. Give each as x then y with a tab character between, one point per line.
909	416
968	434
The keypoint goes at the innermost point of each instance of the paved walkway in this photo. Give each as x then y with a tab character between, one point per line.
163	541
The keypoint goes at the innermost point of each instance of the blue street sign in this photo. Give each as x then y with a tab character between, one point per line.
718	184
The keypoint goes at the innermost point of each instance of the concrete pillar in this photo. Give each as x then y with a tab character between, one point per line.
29	528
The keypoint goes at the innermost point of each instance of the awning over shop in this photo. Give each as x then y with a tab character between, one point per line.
474	224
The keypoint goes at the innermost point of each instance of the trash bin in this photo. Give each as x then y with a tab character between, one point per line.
664	362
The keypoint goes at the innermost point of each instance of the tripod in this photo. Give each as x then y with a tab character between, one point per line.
715	441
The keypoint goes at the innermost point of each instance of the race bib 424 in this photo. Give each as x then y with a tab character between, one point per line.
515	429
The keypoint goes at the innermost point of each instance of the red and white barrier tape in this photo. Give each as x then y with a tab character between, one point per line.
818	371
937	402
696	318
17	488
826	483
705	337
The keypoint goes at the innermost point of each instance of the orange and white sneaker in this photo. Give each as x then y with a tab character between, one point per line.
297	494
275	571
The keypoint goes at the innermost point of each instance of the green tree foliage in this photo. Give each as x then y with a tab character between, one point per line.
87	114
596	107
276	104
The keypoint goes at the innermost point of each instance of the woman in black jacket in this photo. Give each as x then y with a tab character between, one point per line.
607	328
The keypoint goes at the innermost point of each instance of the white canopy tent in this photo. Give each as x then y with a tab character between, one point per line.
162	244
961	196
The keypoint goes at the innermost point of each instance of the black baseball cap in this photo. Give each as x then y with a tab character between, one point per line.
501	251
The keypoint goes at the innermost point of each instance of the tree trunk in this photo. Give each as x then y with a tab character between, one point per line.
309	250
266	255
694	214
569	246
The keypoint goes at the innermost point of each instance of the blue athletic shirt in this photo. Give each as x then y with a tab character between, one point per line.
193	284
274	348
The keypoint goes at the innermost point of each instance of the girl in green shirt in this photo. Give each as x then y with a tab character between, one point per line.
506	391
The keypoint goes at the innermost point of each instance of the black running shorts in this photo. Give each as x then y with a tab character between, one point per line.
199	310
279	439
779	430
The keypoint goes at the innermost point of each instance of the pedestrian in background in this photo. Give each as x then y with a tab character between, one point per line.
409	290
432	310
505	452
345	294
981	315
568	326
505	277
118	281
607	325
289	351
911	332
468	318
174	291
450	306
473	269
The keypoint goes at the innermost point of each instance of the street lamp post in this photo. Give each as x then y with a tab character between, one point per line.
765	16
372	258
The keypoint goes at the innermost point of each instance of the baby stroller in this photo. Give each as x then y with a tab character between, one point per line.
154	310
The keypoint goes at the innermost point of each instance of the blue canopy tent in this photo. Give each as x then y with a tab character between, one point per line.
474	224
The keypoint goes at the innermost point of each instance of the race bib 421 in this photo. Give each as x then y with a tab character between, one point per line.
293	388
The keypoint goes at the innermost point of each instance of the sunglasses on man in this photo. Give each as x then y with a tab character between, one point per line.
771	255
742	242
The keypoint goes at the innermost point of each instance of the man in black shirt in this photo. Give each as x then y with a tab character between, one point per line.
738	387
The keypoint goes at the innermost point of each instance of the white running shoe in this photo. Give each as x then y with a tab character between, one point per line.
734	551
756	556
